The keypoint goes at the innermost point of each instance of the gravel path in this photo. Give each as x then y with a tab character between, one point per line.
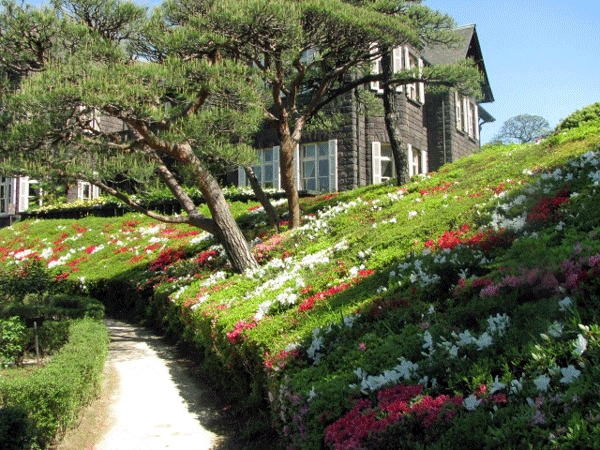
150	401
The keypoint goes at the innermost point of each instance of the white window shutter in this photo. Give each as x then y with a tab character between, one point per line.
458	110
79	190
397	64
297	175
424	165
276	177
476	112
23	194
411	163
465	107
241	177
95	191
333	175
375	67
407	67
421	85
376	161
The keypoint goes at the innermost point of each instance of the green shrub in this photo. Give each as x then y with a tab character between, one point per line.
31	278
53	396
12	341
15	429
590	113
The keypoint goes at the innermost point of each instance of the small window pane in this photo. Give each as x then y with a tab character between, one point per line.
324	168
324	184
323	149
258	172
309	151
387	169
309	169
386	151
268	174
268	155
310	184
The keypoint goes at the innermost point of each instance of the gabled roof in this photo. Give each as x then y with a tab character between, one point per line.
466	47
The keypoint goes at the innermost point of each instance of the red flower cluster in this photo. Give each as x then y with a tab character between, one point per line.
442	187
165	259
395	405
78	228
483	240
206	257
239	327
309	303
90	249
261	251
546	209
279	360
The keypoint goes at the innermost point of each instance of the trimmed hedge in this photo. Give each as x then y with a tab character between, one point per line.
53	396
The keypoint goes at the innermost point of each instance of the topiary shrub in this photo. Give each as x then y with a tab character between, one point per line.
590	113
15	429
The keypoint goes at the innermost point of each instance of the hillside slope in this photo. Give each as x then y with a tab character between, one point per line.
457	312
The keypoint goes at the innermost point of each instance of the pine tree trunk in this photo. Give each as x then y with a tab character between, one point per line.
228	232
286	160
395	121
272	216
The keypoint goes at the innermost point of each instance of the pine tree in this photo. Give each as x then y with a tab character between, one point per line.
89	94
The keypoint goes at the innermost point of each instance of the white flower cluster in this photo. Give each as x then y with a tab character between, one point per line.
319	225
290	273
62	260
403	371
497	326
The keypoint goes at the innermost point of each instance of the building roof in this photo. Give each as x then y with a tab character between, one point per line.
466	47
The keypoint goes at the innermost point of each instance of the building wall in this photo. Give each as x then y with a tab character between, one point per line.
446	143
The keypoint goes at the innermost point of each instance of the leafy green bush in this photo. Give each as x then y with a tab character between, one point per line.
53	396
590	113
15	429
30	279
12	341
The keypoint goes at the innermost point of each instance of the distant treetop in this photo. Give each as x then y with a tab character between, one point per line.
522	129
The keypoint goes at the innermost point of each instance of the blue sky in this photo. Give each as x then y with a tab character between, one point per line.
542	56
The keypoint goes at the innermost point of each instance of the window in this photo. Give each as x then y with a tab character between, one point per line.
266	169
467	116
458	111
383	162
376	69
87	191
317	166
6	195
402	59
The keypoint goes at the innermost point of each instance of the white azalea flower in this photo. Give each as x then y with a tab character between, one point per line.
555	329
580	344
564	303
485	340
569	374
542	382
471	403
496	386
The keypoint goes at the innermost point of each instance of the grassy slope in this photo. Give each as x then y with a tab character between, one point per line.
352	289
